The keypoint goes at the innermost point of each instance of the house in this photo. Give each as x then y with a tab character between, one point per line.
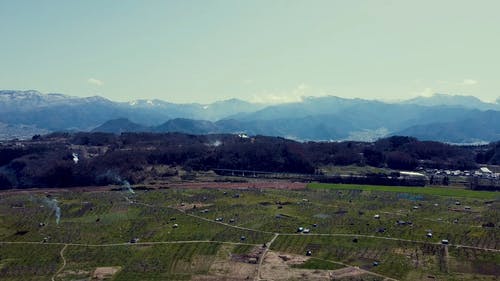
411	174
485	170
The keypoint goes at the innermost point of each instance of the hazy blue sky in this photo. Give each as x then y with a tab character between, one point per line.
268	50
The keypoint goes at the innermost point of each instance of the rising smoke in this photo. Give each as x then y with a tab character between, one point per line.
54	205
111	177
126	184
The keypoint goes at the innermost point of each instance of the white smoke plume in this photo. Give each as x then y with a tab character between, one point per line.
126	184
111	177
54	205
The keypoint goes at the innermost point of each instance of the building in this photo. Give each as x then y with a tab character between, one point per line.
485	170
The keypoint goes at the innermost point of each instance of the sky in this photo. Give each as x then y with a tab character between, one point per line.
260	50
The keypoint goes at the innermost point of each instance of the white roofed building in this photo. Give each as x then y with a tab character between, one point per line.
485	170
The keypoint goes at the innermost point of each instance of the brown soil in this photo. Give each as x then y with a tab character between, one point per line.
242	185
190	206
257	184
278	266
103	273
346	272
255	254
225	267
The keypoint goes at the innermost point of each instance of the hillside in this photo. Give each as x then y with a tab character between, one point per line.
120	125
49	161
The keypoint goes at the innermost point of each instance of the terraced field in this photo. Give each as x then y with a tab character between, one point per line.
353	233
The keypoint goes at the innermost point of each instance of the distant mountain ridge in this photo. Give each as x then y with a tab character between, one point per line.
454	100
314	118
485	126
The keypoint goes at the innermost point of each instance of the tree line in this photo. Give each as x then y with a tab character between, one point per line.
48	161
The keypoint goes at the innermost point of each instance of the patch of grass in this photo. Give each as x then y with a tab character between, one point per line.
242	249
353	169
158	262
28	262
437	191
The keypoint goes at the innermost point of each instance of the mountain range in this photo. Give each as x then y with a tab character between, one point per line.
441	117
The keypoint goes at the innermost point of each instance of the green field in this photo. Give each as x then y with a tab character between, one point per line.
178	240
439	191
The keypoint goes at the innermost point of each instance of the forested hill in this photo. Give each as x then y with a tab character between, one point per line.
83	159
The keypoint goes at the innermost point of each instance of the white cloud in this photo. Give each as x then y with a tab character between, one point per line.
95	82
427	92
469	82
270	98
275	97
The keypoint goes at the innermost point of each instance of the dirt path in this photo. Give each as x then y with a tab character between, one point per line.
268	245
61	253
446	257
130	244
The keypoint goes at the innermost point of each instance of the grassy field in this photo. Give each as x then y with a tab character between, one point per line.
180	239
439	191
